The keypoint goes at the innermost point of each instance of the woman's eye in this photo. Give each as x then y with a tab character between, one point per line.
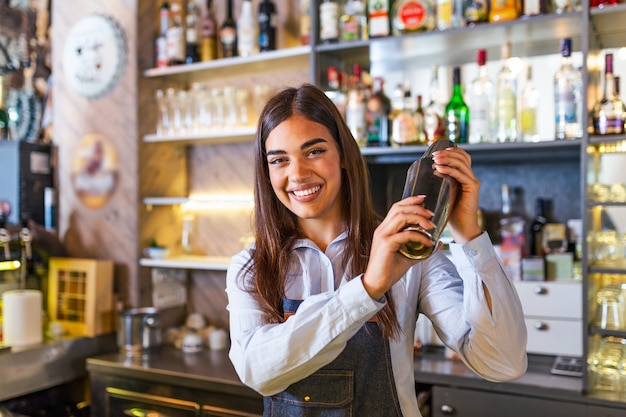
276	161
317	151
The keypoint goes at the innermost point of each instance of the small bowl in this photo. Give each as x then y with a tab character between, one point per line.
156	252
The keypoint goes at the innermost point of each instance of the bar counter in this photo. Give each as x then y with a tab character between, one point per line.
212	370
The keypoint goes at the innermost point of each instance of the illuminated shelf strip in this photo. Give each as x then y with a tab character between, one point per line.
207	263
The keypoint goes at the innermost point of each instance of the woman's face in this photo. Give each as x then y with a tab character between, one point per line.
305	169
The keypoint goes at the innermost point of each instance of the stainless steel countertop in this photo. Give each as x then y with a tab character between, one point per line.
49	364
212	370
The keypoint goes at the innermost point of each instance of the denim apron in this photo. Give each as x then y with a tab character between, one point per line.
358	383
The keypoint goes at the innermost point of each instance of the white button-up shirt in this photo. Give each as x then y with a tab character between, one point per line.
270	357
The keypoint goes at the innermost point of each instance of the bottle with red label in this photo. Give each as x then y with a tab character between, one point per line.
408	16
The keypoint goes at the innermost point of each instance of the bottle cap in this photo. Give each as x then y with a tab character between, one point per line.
566	47
481	57
608	64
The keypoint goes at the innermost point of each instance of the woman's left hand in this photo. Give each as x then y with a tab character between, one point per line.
463	220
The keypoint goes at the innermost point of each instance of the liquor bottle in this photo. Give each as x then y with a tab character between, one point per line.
458	14
512	226
608	114
356	106
228	34
506	99
379	22
378	109
433	113
175	37
161	40
567	96
457	113
329	22
4	115
334	90
192	20
444	14
528	111
409	16
267	26
481	103
305	22
564	6
403	129
247	37
353	22
504	10
208	33
536	227
534	8
419	121
477	12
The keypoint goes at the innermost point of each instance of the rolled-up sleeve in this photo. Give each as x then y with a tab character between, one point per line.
490	342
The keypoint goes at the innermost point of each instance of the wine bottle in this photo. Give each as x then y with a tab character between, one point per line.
403	129
528	111
457	113
506	99
567	96
228	34
481	103
208	33
192	22
356	106
608	114
267	26
161	40
334	90
378	110
305	22
247	37
419	121
175	37
536	227
433	113
329	22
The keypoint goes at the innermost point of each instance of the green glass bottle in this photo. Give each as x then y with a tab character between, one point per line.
457	112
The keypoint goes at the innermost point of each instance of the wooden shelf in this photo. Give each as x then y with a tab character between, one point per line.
265	62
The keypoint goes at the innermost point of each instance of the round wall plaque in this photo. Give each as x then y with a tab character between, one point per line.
94	55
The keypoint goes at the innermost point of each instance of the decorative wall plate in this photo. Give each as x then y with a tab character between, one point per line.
94	55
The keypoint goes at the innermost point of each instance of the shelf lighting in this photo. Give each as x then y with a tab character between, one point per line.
219	202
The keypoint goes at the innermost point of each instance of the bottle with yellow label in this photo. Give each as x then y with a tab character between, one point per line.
504	10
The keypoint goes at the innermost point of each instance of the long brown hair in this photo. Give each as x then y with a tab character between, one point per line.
276	228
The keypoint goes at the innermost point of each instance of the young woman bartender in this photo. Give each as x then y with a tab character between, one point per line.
323	307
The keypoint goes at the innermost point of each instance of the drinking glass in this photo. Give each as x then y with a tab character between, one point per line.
606	364
610	305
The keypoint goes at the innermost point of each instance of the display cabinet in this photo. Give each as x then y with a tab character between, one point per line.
549	168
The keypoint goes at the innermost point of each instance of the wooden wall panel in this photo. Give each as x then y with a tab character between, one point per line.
109	231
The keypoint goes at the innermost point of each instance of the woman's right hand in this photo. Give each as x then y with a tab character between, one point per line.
386	265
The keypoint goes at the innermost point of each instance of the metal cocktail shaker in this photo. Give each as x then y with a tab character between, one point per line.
440	191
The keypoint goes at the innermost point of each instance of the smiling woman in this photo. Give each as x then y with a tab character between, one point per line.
324	293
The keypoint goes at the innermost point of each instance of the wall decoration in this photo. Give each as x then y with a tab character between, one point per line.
95	170
94	55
